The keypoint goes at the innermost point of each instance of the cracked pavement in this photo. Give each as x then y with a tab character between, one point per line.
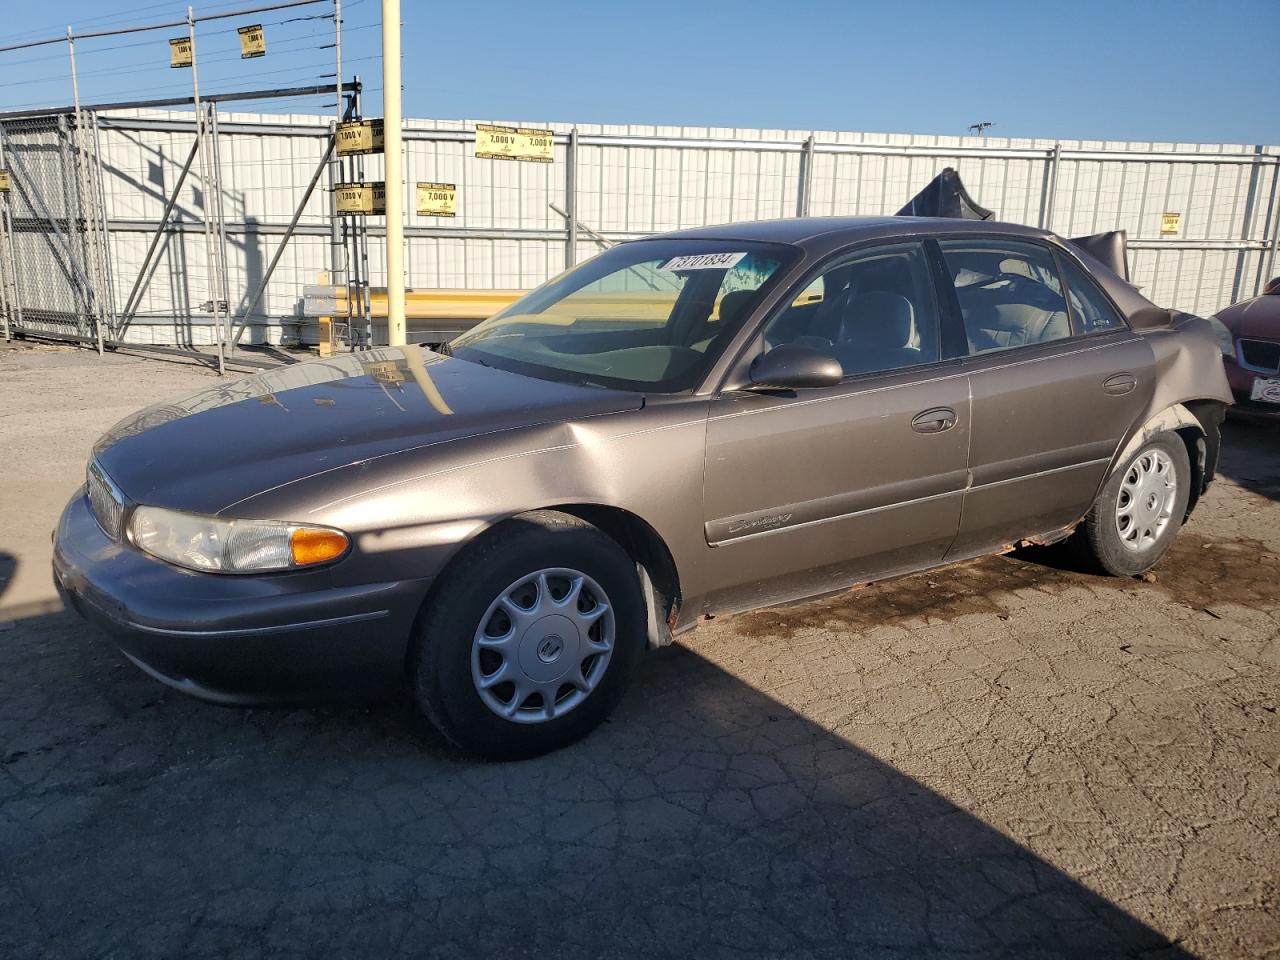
1002	759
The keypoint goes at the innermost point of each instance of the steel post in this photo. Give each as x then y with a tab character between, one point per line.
571	201
16	309
224	307
82	189
337	58
6	304
211	281
806	178
1051	187
71	216
337	250
109	295
1273	214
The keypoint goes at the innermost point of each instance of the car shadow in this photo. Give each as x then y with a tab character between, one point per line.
1251	455
707	819
8	568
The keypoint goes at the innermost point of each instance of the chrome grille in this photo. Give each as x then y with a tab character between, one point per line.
105	501
1261	355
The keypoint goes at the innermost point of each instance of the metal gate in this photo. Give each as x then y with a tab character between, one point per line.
53	252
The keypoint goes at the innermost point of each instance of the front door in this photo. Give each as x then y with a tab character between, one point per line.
813	490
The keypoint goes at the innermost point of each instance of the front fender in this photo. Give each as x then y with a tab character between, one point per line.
417	510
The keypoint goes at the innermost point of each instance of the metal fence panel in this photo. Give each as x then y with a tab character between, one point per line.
510	230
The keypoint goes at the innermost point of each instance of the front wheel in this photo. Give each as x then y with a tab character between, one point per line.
1138	514
530	637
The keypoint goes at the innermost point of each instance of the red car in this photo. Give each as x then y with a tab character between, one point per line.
1250	337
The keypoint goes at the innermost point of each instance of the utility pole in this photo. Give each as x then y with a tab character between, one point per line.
392	122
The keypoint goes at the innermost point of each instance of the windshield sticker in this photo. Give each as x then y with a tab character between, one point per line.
704	261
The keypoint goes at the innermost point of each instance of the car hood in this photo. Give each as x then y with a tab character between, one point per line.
216	447
1259	317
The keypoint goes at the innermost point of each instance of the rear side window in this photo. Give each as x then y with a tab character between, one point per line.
1090	310
1010	294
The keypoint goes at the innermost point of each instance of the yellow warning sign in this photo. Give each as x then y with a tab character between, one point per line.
361	198
180	52
253	43
1170	223
5	185
360	136
437	199
514	143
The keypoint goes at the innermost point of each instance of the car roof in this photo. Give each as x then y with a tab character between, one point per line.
802	231
819	236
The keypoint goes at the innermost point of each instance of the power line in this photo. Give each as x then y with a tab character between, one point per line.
171	24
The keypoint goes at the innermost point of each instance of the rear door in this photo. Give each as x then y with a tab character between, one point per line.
811	490
1057	379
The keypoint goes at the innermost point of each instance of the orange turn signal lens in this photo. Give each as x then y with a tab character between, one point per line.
309	546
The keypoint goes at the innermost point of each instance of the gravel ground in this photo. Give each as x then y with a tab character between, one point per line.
1003	759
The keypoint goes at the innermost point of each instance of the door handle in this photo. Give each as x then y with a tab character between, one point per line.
1120	384
936	420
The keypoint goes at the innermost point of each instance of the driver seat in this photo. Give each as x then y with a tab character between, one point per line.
876	333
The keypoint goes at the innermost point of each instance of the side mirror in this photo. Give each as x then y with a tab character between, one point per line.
790	366
1272	288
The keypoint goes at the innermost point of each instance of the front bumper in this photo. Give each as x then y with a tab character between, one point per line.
282	638
1241	381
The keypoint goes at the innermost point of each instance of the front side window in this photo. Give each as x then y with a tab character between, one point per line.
1010	294
873	313
1090	310
650	315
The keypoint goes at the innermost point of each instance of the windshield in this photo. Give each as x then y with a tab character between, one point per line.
650	315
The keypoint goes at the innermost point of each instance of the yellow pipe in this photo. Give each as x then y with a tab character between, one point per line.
393	160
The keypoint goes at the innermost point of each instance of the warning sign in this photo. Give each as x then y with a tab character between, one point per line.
360	136
361	198
180	52
514	143
437	199
252	42
1170	223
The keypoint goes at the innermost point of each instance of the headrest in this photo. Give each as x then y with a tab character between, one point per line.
731	304
880	320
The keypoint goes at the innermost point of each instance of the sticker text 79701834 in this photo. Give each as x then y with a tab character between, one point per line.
704	261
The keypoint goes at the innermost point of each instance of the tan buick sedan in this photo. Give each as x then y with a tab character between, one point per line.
704	422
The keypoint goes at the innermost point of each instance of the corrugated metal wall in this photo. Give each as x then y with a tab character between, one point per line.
633	180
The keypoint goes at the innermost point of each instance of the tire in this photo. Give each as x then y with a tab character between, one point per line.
475	655
1135	519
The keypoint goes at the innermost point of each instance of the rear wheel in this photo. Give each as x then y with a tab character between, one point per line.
530	637
1140	510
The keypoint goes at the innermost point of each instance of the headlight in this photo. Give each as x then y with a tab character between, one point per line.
213	545
1226	341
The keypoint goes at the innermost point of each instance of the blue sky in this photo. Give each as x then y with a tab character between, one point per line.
1082	69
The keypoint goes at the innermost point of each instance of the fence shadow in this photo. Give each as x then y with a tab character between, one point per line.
707	819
